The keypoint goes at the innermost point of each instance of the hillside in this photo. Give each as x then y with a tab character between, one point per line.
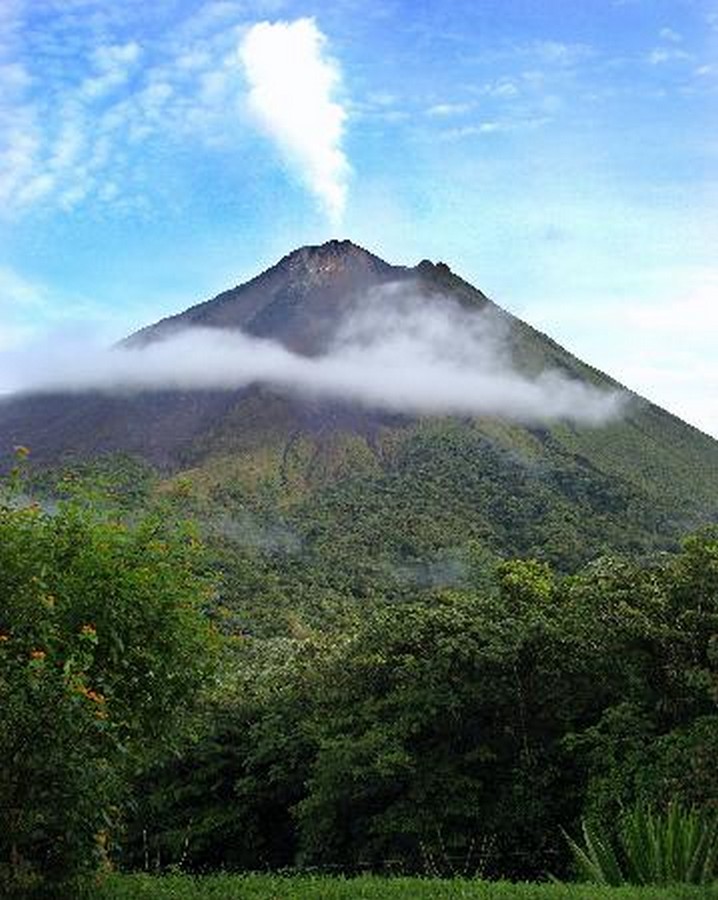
399	495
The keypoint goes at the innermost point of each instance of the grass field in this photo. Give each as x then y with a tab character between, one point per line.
269	887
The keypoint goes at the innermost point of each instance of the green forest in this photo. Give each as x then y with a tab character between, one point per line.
191	685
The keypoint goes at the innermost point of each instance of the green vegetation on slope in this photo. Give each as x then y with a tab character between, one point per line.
305	529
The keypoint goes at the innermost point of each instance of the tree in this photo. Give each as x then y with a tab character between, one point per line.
440	730
103	647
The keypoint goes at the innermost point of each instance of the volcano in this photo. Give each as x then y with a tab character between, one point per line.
646	473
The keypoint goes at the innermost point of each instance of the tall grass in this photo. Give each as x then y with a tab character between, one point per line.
678	846
307	887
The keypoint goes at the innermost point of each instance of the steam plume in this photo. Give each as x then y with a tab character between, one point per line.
292	84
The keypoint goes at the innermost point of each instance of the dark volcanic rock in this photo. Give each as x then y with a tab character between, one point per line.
298	301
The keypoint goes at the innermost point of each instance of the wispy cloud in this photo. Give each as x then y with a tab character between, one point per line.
660	55
496	126
15	290
560	53
10	22
448	109
397	350
293	86
502	88
30	308
113	66
380	107
21	300
80	140
195	85
464	131
668	34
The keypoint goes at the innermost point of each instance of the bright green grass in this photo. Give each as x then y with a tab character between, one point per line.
270	887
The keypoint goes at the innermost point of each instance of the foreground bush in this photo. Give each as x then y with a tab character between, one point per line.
102	647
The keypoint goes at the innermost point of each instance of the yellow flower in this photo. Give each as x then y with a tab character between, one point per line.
4	637
38	654
95	696
21	452
89	630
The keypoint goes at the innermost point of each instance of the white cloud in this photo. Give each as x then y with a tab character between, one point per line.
10	21
379	106
668	34
448	109
292	89
397	350
666	54
16	290
62	146
496	126
559	53
504	88
13	336
113	64
20	302
18	152
453	134
381	99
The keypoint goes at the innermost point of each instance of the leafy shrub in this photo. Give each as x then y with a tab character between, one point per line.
102	646
678	846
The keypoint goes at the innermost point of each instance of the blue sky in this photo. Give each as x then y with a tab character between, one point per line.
560	155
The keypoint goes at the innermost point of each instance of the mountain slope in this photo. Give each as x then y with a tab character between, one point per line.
393	490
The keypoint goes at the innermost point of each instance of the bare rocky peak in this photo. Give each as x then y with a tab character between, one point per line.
309	285
294	301
329	256
332	261
335	258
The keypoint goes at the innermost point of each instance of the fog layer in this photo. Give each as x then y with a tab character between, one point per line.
395	351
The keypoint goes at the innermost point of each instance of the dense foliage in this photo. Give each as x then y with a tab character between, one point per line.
102	649
396	695
458	733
